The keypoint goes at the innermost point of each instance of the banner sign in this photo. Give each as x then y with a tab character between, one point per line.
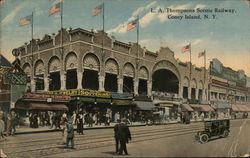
85	92
44	95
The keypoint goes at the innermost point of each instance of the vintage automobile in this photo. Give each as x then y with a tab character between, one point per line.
213	129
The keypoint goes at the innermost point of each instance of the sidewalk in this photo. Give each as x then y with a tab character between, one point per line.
28	130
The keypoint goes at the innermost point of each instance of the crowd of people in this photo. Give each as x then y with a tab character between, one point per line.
8	123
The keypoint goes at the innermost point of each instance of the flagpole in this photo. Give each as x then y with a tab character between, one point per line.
190	73
138	25
205	65
62	26
103	27
32	62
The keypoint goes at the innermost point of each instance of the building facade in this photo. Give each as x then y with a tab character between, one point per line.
92	60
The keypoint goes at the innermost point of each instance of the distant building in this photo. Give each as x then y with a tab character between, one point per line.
5	65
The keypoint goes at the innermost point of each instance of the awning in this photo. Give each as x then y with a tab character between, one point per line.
40	106
166	105
206	108
235	107
143	105
186	107
221	105
240	108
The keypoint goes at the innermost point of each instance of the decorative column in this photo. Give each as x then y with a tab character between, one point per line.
33	84
189	92
63	80
46	83
120	84
204	98
79	80
101	82
149	85
136	83
180	91
196	93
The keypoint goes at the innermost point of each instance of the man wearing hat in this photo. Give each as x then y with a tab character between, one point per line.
70	134
123	135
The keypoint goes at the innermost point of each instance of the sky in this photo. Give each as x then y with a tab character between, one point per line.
226	37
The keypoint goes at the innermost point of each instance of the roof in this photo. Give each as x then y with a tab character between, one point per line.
4	61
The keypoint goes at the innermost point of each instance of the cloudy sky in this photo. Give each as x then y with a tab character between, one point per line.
226	37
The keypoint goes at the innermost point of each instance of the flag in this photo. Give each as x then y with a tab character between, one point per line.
55	8
26	20
97	10
186	48
201	54
132	24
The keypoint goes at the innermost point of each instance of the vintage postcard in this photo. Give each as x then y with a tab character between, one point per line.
124	78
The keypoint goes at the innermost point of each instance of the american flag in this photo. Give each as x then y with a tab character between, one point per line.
186	48
97	10
132	24
55	8
201	54
26	20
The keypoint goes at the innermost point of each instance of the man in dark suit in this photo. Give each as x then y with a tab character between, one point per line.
123	135
70	134
116	136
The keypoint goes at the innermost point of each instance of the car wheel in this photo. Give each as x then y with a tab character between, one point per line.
225	133
204	138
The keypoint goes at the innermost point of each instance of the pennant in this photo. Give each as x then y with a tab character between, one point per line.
97	10
186	48
132	24
201	54
26	20
55	8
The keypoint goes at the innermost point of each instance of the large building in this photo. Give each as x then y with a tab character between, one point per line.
92	60
227	88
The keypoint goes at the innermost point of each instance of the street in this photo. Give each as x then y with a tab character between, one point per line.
173	140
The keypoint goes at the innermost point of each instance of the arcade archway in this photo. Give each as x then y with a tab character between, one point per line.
165	81
91	66
111	73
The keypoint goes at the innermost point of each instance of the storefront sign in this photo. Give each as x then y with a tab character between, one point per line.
122	95
85	92
45	96
122	102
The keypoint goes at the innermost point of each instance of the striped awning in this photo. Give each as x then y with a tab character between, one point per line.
240	108
186	107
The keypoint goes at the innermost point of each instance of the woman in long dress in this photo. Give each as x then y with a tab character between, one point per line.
79	121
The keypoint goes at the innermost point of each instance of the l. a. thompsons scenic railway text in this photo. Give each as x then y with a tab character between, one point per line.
111	78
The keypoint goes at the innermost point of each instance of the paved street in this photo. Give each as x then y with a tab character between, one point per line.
172	140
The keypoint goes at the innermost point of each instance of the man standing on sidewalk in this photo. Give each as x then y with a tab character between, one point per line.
123	136
70	134
116	137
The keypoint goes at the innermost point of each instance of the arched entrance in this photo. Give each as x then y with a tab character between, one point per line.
128	78
71	69
165	81
91	68
39	75
111	73
54	74
143	78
